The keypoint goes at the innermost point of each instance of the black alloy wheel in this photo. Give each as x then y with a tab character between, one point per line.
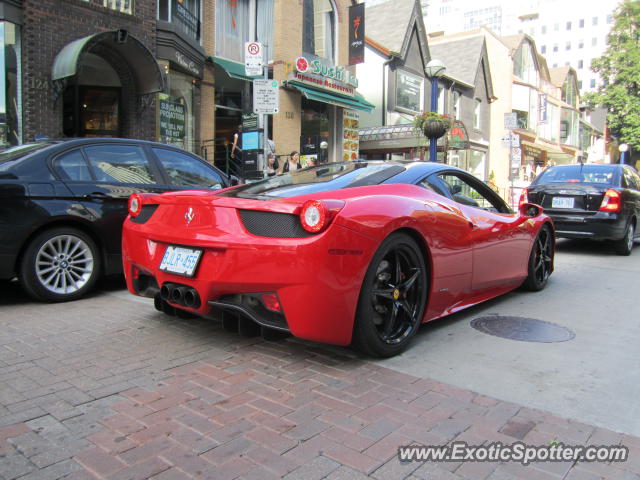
540	261
392	298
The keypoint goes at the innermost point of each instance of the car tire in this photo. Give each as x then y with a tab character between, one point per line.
59	265
624	246
392	298
540	263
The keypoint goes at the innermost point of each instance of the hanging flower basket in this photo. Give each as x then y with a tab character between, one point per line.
435	129
432	124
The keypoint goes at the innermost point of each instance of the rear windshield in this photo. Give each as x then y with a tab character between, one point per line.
18	151
578	174
323	178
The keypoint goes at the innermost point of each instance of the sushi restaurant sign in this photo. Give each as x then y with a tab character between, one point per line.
319	74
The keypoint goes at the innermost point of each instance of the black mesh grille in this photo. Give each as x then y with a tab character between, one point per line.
145	214
272	224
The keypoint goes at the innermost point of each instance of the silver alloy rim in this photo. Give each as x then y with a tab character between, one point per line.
64	264
630	237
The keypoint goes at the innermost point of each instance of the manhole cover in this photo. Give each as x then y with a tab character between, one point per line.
522	329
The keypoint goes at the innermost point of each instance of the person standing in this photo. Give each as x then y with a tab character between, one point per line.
272	165
236	148
293	163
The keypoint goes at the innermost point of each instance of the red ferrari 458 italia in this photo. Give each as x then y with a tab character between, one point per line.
354	252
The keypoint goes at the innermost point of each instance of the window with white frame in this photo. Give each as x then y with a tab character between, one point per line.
456	105
241	21
524	66
122	6
441	98
319	29
409	92
477	114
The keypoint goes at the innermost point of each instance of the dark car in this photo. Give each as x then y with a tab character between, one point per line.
598	202
62	204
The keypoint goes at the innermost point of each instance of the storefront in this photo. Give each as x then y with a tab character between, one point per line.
179	103
329	104
10	80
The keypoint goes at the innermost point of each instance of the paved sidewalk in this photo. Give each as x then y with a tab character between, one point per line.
105	388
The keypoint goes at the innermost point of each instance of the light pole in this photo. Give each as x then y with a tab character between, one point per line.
623	147
434	70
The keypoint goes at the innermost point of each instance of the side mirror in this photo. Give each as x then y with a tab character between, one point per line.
233	180
529	210
455	189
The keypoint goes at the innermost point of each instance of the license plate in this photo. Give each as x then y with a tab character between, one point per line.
180	260
562	202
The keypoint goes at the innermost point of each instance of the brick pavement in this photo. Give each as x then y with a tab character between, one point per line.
105	388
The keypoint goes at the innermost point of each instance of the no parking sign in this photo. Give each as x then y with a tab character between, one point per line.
253	59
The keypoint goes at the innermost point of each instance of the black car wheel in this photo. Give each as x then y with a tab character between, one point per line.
540	261
625	245
392	299
59	265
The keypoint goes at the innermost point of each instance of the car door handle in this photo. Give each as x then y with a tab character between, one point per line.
96	195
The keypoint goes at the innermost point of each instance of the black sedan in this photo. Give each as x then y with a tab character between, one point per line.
598	202
62	205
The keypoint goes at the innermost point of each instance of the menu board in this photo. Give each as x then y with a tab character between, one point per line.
350	136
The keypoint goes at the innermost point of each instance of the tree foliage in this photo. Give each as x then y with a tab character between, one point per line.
619	68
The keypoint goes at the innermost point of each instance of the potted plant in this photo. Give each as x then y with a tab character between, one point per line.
432	124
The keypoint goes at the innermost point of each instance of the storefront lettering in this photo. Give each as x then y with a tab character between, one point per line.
324	83
186	63
316	67
172	120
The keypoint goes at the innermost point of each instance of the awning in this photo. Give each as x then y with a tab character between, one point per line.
233	69
146	72
356	103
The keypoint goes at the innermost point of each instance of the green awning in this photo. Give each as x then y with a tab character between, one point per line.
144	67
233	69
356	103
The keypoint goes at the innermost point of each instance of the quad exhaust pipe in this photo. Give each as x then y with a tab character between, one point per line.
180	295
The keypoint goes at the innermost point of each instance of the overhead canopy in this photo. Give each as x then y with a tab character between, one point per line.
356	103
144	68
233	69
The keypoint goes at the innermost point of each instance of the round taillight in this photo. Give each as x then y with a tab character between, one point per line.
313	216
135	204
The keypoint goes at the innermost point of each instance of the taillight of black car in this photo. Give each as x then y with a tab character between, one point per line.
611	202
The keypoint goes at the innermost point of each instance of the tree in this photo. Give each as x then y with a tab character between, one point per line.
619	68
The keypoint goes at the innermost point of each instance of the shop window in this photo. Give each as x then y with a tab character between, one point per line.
10	106
186	171
119	164
183	14
122	6
319	25
177	111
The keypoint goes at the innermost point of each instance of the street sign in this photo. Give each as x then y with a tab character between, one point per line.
266	96
510	121
516	157
512	140
253	59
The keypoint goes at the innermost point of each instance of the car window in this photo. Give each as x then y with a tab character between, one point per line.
72	166
120	163
631	179
465	193
430	184
186	171
577	174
